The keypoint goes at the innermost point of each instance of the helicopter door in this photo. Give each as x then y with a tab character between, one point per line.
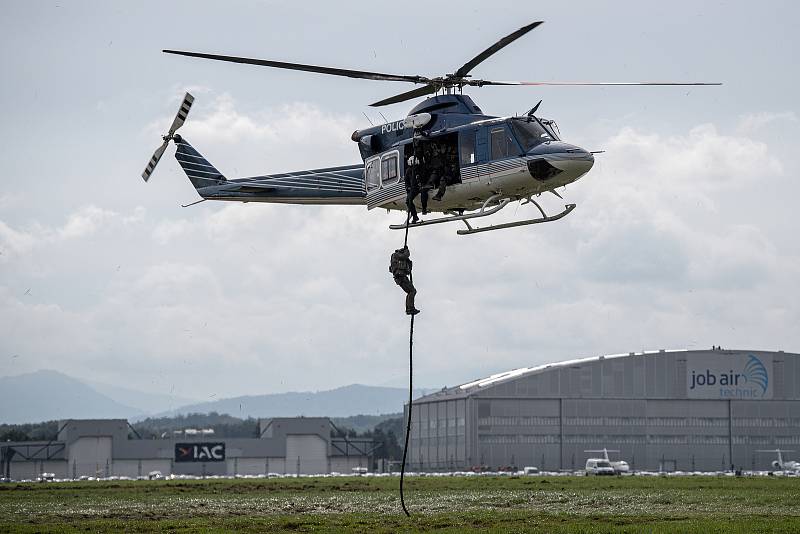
372	174
502	143
382	174
390	169
468	157
482	145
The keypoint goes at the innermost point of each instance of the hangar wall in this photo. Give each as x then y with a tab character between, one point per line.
103	448
667	410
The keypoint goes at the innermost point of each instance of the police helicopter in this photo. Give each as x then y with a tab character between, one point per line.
482	162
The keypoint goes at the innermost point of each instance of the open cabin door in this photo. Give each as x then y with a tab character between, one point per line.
383	179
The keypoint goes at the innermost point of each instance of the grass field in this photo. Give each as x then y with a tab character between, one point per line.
503	504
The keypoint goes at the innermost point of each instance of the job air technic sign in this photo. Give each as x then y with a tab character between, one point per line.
729	376
199	452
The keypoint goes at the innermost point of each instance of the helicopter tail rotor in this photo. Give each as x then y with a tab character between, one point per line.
180	118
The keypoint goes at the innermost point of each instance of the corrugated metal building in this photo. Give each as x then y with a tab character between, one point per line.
106	447
703	410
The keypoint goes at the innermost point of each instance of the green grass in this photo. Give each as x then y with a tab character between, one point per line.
503	504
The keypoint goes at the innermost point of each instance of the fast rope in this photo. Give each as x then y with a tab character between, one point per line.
410	388
410	358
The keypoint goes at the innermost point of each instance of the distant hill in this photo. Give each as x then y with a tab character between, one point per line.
48	395
144	402
364	423
340	402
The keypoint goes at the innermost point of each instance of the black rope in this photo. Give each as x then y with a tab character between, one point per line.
410	359
408	422
410	388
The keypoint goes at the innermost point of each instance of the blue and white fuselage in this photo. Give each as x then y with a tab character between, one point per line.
512	157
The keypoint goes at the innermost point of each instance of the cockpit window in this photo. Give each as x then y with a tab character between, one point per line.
530	133
552	128
502	144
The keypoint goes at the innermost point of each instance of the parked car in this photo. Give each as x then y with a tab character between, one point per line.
596	466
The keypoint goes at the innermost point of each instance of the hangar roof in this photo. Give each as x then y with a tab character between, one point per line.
476	386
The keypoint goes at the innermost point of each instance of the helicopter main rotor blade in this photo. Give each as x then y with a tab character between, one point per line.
480	83
408	95
308	68
496	47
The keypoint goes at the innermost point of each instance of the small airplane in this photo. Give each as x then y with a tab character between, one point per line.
619	466
484	162
784	465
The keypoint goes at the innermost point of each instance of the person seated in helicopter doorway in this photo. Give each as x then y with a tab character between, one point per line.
412	187
446	177
437	178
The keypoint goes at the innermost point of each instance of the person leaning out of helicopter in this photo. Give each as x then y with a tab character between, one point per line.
411	179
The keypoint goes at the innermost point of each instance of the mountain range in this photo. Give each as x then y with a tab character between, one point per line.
339	402
47	395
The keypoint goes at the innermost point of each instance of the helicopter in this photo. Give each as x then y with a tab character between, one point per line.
485	162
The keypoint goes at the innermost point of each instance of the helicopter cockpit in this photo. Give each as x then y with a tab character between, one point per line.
532	131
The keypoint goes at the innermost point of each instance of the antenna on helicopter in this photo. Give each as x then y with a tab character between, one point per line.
530	113
180	118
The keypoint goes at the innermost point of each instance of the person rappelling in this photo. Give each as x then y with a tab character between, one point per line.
400	267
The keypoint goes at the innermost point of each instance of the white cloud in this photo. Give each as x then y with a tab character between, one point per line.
138	215
168	230
751	123
85	222
81	224
697	163
16	242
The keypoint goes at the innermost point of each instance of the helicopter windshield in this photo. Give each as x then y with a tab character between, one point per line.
551	127
530	133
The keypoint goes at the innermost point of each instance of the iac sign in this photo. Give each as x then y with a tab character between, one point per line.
199	452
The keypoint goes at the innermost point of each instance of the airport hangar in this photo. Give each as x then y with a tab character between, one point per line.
109	447
689	410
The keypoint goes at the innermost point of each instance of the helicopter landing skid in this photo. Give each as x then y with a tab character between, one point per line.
482	212
543	219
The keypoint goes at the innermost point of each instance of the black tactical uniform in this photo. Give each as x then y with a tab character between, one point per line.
400	267
445	173
412	189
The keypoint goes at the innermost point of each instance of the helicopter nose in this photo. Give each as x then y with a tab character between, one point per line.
559	160
583	160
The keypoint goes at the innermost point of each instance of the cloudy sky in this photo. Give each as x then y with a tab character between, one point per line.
685	235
